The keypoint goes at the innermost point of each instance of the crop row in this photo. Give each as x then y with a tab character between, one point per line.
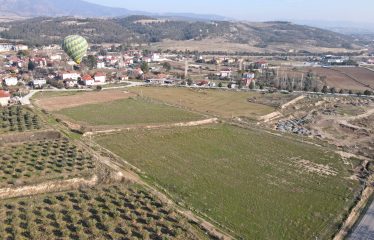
110	212
25	163
17	118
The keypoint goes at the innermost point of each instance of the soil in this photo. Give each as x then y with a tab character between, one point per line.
62	102
12	138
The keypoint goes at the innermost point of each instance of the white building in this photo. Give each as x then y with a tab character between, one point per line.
20	47
5	47
226	73
100	78
38	83
87	80
55	57
4	98
12	81
70	75
100	65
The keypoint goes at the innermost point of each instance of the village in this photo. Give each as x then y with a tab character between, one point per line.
46	67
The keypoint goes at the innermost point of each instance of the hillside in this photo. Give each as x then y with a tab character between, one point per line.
142	29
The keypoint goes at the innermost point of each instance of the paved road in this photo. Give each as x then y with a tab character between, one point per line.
365	229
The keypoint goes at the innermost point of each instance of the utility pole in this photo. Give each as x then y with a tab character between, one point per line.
186	69
302	79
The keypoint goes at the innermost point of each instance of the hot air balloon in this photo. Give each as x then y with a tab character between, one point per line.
75	47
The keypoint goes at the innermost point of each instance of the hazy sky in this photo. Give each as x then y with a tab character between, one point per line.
331	10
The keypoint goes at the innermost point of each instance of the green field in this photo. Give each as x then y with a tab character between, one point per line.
221	103
259	185
128	112
106	212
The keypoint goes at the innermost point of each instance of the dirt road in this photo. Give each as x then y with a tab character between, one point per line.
365	229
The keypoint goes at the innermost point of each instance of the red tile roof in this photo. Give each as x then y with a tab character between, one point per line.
86	78
4	94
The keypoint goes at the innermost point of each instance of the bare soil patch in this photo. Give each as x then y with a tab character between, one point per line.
62	102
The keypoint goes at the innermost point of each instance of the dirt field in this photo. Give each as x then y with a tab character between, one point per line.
363	75
335	77
56	103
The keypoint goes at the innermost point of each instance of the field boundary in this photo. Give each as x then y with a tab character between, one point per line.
355	213
159	126
48	187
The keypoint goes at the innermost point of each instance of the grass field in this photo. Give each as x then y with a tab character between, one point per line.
128	112
259	185
222	103
107	212
34	162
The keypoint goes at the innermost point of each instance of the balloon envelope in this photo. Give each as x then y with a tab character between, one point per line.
75	47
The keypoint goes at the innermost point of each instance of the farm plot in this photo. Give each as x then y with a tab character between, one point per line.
259	185
34	162
363	75
127	112
108	212
222	103
18	119
55	101
336	78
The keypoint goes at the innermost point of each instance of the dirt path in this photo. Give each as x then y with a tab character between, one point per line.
47	187
169	125
355	213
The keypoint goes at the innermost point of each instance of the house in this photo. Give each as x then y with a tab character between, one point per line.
100	78
248	75
12	81
261	64
39	83
225	73
4	98
87	80
20	47
5	47
100	65
70	75
56	57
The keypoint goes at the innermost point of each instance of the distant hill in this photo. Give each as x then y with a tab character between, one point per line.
79	8
145	29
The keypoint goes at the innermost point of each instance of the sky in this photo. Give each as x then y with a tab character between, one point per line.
259	10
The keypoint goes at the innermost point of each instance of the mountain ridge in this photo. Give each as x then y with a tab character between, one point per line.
80	8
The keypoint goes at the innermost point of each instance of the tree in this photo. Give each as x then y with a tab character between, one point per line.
166	66
99	88
325	89
240	84
368	93
341	91
189	82
333	90
90	61
145	67
31	66
350	92
220	84
252	85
